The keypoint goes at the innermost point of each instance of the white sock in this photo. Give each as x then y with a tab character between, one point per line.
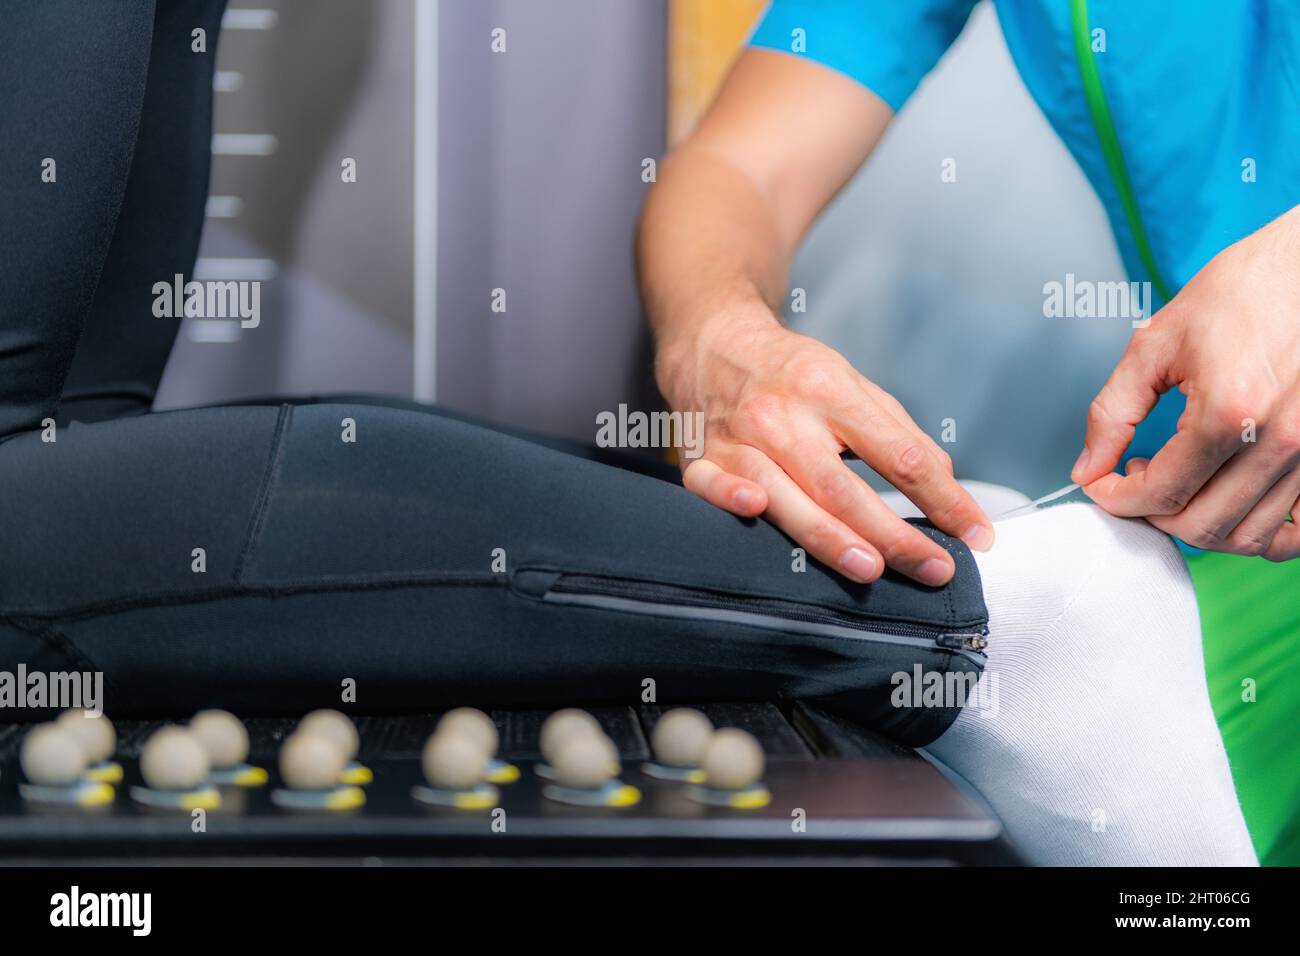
1102	748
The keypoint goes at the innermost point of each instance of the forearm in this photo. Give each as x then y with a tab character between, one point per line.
714	246
709	254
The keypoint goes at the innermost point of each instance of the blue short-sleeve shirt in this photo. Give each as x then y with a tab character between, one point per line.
1203	97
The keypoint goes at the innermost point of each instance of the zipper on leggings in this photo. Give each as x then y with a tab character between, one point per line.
772	613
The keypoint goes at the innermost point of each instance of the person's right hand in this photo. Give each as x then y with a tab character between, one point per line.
779	409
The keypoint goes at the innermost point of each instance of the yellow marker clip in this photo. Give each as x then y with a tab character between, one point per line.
105	773
504	773
201	800
625	796
474	800
751	799
346	798
251	777
94	794
356	774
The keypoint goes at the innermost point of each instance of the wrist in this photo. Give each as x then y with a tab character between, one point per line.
683	354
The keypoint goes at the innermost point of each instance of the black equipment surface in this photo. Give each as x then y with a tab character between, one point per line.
861	799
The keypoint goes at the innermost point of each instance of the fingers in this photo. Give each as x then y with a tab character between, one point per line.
915	466
1128	396
895	408
770	490
827	539
724	490
1177	472
1262	530
783	438
1244	504
1285	545
840	493
1256	532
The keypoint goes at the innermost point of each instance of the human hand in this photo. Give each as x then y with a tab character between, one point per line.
1230	340
779	409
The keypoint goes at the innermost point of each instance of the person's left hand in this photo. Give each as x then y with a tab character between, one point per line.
1230	340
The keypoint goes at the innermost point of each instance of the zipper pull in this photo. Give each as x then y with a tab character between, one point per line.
963	642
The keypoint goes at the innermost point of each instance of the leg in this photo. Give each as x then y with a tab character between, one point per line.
1098	744
642	464
434	563
74	80
124	346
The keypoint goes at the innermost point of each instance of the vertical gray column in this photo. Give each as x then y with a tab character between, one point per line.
540	152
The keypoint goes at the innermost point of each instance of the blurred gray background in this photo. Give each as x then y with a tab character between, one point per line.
538	188
301	86
932	289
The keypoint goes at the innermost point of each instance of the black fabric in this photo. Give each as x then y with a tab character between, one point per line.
124	346
650	462
74	80
114	94
372	560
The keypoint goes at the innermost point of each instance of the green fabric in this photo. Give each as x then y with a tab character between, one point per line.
1101	118
1250	615
1160	423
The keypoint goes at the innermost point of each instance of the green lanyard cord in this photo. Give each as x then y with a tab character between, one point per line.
1110	142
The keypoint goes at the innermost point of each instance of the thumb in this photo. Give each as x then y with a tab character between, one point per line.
1123	402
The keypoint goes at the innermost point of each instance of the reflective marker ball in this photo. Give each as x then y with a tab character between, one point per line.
585	761
309	761
51	756
223	736
173	759
562	725
333	726
453	762
473	724
680	736
733	760
95	733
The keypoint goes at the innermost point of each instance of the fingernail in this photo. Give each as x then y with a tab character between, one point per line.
933	572
978	537
745	499
1079	465
858	565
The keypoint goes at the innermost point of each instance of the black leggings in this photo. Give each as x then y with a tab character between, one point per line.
433	562
114	95
251	557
